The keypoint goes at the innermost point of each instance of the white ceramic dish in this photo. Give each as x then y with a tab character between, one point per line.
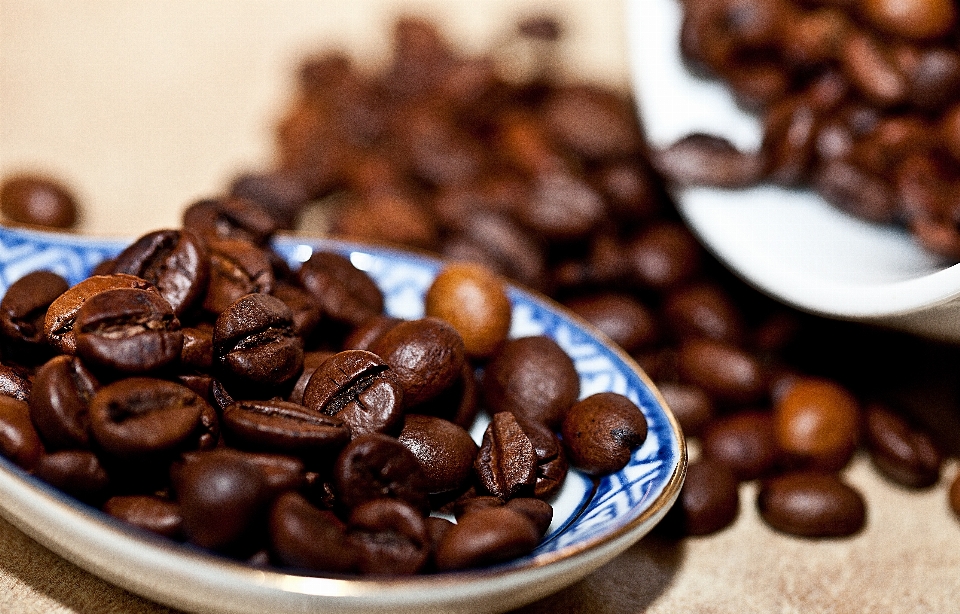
593	521
788	243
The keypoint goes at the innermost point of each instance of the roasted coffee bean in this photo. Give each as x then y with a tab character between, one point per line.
19	440
703	159
663	255
724	371
284	428
311	360
690	404
593	122
281	472
140	416
360	389
474	301
197	352
601	432
552	464
175	261
366	335
59	321
254	345
744	442
426	355
237	268
620	316
486	536
16	383
389	536
75	472
59	405
902	452
306	313
538	511
147	512
229	218
703	310
531	377
915	19
387	218
817	423
459	403
34	200
708	502
376	465
278	193
562	207
506	464
811	504
345	293
23	308
128	331
305	537
221	498
445	451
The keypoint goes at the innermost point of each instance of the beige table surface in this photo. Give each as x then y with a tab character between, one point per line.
144	106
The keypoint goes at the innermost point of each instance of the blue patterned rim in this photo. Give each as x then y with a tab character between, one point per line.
587	512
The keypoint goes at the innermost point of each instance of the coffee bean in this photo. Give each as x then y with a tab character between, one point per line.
811	504
690	404
229	218
702	159
506	463
34	200
305	537
345	293
601	432
78	473
360	389
376	465
237	268
15	382
285	428
627	321
281	472
278	193
723	370
744	442
366	335
903	453
306	313
663	255
708	501
444	450
197	352
703	310
915	19
484	537
59	405
23	308
390	537
816	424
538	511
19	440
562	207
147	512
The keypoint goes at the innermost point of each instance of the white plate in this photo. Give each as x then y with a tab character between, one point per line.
788	243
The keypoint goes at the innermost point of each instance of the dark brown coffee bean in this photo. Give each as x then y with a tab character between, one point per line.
359	388
531	377
59	321
497	242
128	331
817	424
790	131
237	268
229	218
744	442
663	255
376	465
631	189
23	308
386	218
285	428
426	355
389	536
856	190
459	403
75	472
221	498
474	301
486	536
811	504
306	313
175	261
311	360
620	316
366	335
708	501
254	345
901	452
538	511
703	159
38	201
601	432
562	207
305	537
690	404
867	64
725	372
59	405
147	512
141	416
445	451
281	472
197	352
593	122
916	19
705	310
278	193
506	463
345	293
16	383
19	440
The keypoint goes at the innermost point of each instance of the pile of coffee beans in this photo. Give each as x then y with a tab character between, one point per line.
858	100
550	183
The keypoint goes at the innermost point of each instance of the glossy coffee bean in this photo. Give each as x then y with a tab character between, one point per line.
531	377
620	316
306	313
15	382
59	321
175	261
229	218
24	306
128	331
281	472
376	465
692	406
817	424
561	207
427	356
445	451
220	497
902	452
601	432
254	344
744	442
76	472
19	440
303	536
552	463
59	405
703	310
345	293
474	301
366	335
724	371
360	389
459	403
538	511
283	428
141	416
702	159
197	352
915	19
147	512
709	500
237	268
663	255
506	464
38	201
280	194
484	537
811	504
389	536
